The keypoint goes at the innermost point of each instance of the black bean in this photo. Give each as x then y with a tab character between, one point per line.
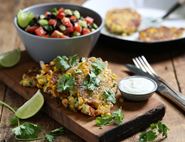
51	16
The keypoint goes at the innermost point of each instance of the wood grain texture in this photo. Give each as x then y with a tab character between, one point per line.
138	116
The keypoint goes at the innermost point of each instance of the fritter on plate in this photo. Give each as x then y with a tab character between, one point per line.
122	21
162	33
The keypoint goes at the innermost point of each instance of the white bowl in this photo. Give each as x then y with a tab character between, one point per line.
46	49
137	88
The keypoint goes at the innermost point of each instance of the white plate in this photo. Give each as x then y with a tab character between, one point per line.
147	8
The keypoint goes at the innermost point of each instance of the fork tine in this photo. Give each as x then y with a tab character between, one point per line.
145	66
148	65
138	64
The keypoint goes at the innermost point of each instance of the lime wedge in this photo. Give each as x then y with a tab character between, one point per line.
11	58
31	107
24	18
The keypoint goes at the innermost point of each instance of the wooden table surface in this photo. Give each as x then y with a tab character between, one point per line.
169	64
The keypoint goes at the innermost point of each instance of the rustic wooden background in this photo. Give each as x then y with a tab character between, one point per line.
169	63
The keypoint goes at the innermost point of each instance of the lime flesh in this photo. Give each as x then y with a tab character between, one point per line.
24	18
11	58
31	107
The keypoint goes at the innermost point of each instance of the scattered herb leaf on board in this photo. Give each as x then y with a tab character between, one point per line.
153	132
116	117
54	133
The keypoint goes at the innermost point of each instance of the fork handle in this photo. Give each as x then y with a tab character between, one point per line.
175	96
172	9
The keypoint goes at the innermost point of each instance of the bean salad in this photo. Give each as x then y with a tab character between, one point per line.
56	23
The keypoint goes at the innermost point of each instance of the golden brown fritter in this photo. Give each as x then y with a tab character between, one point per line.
85	85
160	33
122	21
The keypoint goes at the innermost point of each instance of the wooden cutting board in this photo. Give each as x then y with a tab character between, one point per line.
137	116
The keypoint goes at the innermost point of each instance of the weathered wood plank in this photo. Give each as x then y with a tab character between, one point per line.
179	64
7	32
2	92
7	40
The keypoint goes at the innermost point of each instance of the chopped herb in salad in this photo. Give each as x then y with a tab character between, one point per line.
56	23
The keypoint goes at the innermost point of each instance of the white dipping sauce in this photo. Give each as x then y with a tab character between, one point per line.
137	85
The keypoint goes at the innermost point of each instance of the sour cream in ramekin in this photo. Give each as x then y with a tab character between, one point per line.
137	88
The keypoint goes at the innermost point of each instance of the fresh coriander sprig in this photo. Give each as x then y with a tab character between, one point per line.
153	132
110	96
51	135
116	117
98	66
65	83
64	63
91	82
26	131
29	131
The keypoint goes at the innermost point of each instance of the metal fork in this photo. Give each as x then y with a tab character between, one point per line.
163	87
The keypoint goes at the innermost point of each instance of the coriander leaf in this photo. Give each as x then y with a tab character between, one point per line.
110	96
51	135
154	130
14	121
98	66
26	131
62	63
148	136
65	83
162	129
103	120
49	138
91	82
153	126
73	60
57	132
118	116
